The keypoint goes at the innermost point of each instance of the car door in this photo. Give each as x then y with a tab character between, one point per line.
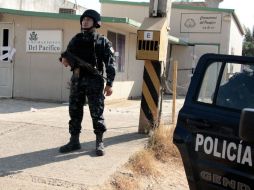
207	130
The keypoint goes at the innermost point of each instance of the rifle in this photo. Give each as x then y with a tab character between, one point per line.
73	59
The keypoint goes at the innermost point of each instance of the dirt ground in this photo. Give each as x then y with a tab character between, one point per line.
38	165
157	167
170	176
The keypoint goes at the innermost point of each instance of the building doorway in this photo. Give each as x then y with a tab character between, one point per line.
6	65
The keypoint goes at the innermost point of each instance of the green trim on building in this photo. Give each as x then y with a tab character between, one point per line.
125	2
174	40
40	14
239	24
175	6
121	20
68	16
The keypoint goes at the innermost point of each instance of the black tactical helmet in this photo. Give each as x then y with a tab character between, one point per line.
94	15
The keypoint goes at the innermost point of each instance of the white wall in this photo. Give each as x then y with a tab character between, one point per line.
221	38
39	5
183	55
135	68
41	76
236	40
128	84
221	42
229	38
137	13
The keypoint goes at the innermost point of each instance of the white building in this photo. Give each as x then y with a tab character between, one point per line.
37	74
52	6
195	28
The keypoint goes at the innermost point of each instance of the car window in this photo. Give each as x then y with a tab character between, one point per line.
235	85
209	83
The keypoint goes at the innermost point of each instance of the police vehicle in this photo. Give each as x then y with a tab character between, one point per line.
215	126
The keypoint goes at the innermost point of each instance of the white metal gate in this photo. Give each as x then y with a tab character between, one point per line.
6	63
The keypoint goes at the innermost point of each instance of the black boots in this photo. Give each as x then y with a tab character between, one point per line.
99	145
72	145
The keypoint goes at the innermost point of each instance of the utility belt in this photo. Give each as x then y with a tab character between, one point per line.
84	72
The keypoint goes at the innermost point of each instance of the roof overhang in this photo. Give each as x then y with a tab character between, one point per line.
238	23
144	3
176	41
124	24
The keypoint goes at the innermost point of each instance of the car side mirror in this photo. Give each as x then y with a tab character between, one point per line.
246	128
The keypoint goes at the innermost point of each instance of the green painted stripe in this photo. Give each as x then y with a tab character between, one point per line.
175	6
125	2
68	16
121	20
40	14
175	40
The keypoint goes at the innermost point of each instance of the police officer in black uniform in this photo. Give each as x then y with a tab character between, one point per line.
88	48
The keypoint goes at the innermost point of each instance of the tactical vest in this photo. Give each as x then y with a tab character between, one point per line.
89	48
99	50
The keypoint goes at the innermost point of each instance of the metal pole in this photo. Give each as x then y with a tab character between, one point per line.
153	70
174	91
163	8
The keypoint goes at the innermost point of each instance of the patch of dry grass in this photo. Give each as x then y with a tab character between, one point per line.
123	182
160	148
161	144
143	163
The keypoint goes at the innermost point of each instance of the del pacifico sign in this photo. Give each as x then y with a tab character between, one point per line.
49	41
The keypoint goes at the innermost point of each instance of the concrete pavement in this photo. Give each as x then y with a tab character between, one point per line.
31	133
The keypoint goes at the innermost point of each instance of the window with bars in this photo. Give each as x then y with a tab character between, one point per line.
67	11
118	42
5	42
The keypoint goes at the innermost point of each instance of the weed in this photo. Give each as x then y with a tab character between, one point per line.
123	182
143	163
161	143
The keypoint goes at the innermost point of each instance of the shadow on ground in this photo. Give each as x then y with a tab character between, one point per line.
13	105
15	164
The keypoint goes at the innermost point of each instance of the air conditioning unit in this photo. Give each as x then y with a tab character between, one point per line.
67	11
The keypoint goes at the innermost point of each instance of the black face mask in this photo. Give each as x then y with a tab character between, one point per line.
88	35
87	29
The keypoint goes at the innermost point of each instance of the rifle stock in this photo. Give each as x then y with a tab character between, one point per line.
81	63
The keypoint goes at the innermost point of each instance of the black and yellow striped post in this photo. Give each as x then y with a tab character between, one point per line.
151	97
152	43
